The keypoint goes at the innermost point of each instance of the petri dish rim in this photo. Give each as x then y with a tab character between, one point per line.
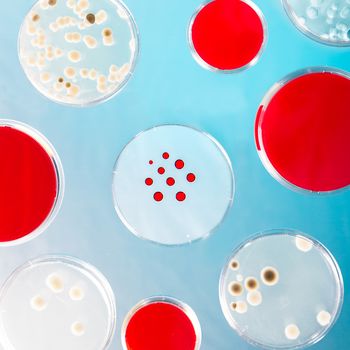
257	129
60	179
325	253
185	308
207	234
135	31
208	66
303	29
87	269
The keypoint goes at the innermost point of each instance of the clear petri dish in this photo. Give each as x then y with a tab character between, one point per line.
227	36
326	21
302	128
272	290
31	183
56	302
78	52
172	184
160	323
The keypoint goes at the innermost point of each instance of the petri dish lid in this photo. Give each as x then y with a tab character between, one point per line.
302	130
172	184
326	21
31	183
56	302
272	290
78	52
160	323
227	35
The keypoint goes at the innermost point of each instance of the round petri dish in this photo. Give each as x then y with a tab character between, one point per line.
172	184
272	290
227	35
31	183
160	323
78	52
56	302
326	21
302	128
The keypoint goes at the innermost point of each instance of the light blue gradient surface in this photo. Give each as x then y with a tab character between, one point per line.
170	87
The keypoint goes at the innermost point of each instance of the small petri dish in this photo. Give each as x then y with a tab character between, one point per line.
172	184
56	302
160	323
227	36
78	52
31	183
302	128
273	294
326	21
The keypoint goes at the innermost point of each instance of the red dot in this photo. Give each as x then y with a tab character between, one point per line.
149	181
158	196
161	170
170	181
150	162
191	177
166	155
179	164
180	196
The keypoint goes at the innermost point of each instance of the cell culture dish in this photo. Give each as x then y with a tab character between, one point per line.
281	301
172	184
160	323
326	21
78	52
31	183
302	130
56	303
227	35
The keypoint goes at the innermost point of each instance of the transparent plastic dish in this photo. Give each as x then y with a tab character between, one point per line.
56	303
78	52
172	184
281	290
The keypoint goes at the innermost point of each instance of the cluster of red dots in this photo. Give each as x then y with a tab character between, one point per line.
170	181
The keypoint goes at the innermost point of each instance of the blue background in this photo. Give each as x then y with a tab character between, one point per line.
170	87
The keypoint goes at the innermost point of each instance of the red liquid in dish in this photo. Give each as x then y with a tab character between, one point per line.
304	131
160	326
28	184
227	34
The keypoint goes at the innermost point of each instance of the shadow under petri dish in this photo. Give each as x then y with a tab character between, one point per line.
298	296
78	52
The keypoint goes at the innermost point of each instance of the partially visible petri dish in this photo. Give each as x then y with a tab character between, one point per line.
172	185
57	302
31	183
227	36
281	290
326	21
160	323
301	130
78	52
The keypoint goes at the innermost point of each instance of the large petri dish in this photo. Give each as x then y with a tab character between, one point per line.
172	184
56	302
281	290
78	52
31	183
302	130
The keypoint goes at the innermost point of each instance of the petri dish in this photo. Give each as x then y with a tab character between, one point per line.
56	302
227	35
78	52
272	290
31	183
172	184
326	21
160	323
301	130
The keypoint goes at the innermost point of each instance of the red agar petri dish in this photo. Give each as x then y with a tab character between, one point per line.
31	183
302	130
227	35
160	323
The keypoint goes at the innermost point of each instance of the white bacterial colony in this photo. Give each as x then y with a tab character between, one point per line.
62	41
272	291
328	20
